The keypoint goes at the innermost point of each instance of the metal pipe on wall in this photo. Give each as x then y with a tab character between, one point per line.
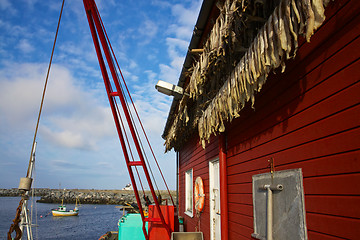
269	208
269	214
223	187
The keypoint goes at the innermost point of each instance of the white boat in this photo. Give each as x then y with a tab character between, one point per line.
62	212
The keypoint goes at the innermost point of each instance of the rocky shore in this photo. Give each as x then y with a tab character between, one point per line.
87	196
14	192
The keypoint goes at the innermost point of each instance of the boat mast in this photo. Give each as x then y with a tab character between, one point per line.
25	219
25	183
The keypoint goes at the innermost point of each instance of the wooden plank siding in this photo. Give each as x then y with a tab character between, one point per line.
307	117
193	156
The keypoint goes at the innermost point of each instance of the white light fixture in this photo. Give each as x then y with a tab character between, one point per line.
170	89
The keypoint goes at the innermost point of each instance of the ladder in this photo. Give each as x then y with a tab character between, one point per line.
100	40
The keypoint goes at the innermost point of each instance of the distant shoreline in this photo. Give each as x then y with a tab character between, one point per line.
87	196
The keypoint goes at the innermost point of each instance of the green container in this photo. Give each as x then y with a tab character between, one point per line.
130	227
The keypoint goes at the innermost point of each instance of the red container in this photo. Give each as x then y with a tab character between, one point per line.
156	229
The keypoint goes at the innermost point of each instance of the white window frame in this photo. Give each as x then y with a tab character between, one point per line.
189	203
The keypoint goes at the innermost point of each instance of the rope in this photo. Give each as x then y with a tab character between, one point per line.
46	81
15	226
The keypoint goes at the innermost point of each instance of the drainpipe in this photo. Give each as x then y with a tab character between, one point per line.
223	187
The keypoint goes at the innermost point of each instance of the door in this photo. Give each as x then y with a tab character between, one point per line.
214	188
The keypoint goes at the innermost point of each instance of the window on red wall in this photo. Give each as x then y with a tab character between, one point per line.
189	193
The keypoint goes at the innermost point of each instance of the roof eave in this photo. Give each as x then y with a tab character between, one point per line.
201	22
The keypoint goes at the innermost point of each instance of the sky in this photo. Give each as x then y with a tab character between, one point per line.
77	143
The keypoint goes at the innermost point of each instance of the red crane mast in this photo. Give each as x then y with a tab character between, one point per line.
102	47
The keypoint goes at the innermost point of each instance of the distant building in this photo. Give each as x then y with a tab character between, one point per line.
128	187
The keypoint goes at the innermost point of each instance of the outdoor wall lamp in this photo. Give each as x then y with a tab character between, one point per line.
170	89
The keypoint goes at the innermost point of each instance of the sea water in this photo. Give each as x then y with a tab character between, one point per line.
92	221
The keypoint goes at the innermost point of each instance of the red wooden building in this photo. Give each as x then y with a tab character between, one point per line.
254	96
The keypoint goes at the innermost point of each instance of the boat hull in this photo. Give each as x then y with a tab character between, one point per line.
64	214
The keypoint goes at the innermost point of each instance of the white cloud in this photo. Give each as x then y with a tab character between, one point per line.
72	115
151	75
162	4
20	93
182	32
186	16
59	165
152	106
5	4
177	45
129	75
31	3
13	29
134	78
25	46
133	64
147	31
169	73
76	128
68	139
72	48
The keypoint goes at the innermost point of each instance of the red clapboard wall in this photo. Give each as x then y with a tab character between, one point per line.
193	156
307	117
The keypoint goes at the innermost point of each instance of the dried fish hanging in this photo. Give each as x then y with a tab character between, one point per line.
181	119
211	65
214	56
275	43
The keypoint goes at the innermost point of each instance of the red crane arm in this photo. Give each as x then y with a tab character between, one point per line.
102	48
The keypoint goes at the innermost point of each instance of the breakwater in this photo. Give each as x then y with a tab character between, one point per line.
14	192
87	196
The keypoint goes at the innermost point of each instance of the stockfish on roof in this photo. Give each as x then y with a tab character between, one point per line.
275	42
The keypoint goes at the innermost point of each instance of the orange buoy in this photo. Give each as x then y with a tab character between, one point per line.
199	194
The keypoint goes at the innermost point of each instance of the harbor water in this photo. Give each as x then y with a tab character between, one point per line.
92	221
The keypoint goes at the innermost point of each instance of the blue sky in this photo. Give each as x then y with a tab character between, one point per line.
77	142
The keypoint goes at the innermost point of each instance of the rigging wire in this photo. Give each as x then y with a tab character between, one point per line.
140	142
127	104
118	113
123	126
137	134
45	86
127	140
16	221
126	135
128	143
158	166
112	51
